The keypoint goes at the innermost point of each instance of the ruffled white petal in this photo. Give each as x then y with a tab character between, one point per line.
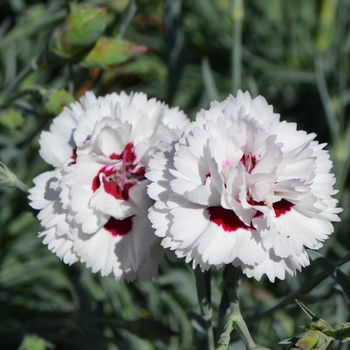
242	187
57	234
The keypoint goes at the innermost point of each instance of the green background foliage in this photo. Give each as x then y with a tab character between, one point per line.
185	52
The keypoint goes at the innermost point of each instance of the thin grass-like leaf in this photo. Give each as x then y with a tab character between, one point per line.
127	17
332	120
209	81
332	270
4	26
11	65
177	46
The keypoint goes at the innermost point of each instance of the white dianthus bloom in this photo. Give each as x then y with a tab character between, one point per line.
242	187
94	205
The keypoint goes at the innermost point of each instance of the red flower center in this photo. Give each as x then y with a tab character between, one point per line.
118	179
249	162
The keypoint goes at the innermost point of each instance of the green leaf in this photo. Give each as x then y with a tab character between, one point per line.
109	52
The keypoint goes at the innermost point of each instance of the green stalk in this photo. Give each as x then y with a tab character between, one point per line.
233	316
203	292
235	321
71	76
236	51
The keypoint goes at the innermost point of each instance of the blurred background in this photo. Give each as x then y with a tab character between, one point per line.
185	52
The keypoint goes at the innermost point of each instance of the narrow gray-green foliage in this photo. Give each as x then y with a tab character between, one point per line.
293	52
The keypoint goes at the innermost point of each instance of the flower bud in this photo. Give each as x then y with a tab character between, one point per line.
57	100
11	118
109	52
313	340
75	37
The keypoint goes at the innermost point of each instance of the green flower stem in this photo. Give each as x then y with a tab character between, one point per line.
235	321
20	185
233	316
204	296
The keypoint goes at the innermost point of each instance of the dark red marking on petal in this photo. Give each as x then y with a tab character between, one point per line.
96	182
112	188
86	140
139	172
206	176
119	227
282	207
227	219
74	155
258	214
128	152
108	171
249	162
253	202
115	156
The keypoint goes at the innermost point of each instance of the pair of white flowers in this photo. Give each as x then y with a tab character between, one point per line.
133	177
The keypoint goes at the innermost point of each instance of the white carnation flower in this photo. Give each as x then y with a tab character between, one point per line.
242	187
94	205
